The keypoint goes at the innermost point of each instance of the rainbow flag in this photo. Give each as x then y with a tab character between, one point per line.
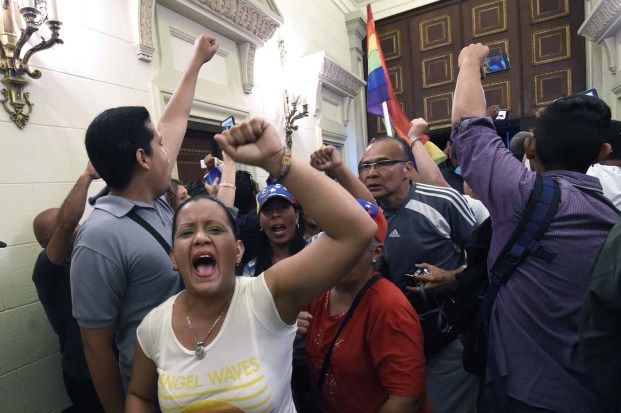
379	86
379	90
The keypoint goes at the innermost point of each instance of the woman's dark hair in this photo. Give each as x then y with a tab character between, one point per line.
196	188
265	255
245	192
196	198
171	193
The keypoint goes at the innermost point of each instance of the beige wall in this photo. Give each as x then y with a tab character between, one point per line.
96	68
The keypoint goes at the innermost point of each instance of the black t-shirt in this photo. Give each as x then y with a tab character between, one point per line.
54	291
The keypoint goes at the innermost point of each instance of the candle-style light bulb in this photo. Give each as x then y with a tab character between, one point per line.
52	10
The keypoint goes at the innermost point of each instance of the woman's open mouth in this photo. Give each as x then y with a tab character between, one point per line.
279	229
204	265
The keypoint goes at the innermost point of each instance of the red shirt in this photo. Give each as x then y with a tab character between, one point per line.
379	353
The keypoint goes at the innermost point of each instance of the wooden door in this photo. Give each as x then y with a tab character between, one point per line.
197	144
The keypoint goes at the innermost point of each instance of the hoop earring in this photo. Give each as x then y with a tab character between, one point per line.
175	268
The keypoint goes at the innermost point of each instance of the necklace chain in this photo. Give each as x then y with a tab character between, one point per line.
200	345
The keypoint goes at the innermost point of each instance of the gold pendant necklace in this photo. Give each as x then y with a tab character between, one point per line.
200	345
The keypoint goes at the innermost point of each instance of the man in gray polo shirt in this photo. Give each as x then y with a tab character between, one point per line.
119	270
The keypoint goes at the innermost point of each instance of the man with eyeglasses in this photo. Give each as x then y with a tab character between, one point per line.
428	227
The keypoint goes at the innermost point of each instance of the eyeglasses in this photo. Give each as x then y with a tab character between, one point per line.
380	166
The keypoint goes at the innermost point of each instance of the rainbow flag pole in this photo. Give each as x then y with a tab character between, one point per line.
387	119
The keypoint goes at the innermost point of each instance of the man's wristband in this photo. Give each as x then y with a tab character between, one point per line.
414	141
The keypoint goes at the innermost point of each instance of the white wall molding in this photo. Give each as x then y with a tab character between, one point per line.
604	21
250	23
601	26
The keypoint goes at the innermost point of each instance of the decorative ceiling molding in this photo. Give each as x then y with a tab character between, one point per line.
248	22
601	27
248	18
144	48
604	18
337	77
332	76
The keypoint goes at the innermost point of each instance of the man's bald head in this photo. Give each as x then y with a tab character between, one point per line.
43	225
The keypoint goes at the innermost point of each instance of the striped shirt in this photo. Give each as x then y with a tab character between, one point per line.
533	328
431	225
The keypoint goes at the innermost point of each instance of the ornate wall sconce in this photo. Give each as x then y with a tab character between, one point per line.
20	19
293	113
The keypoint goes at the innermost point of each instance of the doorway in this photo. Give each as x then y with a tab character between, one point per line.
197	144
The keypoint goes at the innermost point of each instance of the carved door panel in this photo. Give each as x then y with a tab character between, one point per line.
553	52
493	23
435	40
539	37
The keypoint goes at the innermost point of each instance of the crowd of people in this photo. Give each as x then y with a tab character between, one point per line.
196	298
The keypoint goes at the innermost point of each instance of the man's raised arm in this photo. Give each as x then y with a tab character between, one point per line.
469	99
174	120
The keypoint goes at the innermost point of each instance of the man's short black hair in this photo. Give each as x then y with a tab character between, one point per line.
112	140
613	137
571	131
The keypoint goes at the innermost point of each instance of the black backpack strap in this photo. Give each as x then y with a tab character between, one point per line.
540	210
133	215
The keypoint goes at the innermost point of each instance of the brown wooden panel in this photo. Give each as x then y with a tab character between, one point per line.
437	70
489	18
551	45
437	109
551	86
507	41
498	47
556	57
198	142
433	70
391	44
543	10
435	32
396	78
498	93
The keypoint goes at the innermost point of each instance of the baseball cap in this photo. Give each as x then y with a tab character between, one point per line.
273	191
376	215
614	137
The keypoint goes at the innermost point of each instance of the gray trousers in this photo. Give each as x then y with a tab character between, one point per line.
450	387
